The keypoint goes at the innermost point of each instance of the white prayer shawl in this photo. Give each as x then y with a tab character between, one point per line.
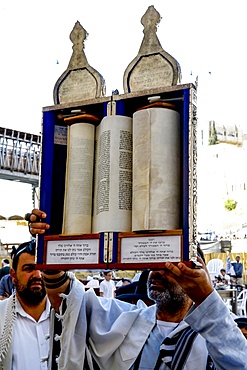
197	356
7	319
117	330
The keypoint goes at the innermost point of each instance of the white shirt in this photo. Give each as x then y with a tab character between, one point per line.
30	340
226	277
107	288
165	327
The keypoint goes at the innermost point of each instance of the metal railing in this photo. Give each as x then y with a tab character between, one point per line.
19	156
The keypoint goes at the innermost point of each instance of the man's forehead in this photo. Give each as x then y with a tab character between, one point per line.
26	258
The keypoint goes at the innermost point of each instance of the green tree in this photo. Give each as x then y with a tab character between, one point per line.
230	204
213	136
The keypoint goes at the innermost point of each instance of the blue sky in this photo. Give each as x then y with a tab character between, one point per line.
206	37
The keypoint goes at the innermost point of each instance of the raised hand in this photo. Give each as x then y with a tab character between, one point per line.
195	282
36	223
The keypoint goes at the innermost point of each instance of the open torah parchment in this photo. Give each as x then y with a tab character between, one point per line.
101	159
102	194
156	169
77	216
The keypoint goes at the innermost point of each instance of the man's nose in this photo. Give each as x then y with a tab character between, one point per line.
37	274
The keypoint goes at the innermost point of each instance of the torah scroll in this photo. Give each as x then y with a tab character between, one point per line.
77	218
156	169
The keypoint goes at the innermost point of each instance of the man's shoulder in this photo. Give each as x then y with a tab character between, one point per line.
5	278
3	306
3	303
4	270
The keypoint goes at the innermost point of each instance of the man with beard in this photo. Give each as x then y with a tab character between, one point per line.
180	347
188	321
24	316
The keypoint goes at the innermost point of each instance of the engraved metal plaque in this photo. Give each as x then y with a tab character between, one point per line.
72	251
80	81
151	249
153	67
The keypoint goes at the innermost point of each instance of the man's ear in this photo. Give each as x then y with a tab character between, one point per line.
13	274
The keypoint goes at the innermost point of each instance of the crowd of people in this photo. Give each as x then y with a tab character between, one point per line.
230	276
51	322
